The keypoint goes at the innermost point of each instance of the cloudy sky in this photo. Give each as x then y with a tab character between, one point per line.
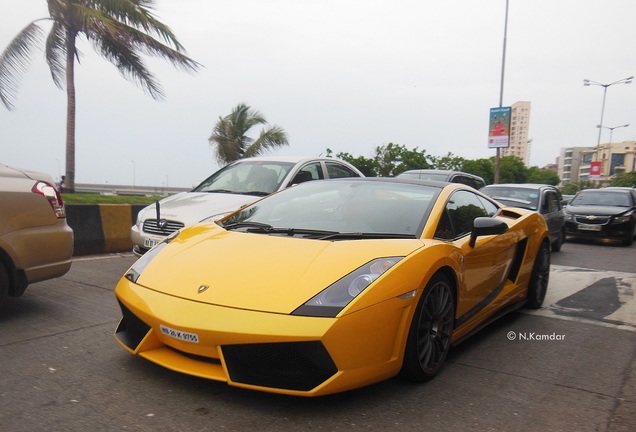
349	75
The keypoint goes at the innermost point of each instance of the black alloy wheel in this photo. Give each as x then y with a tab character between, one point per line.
538	285
431	330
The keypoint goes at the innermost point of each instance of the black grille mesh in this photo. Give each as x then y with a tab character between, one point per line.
131	330
289	365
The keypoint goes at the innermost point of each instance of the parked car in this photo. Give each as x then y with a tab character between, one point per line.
607	213
333	285
231	187
542	198
35	241
471	180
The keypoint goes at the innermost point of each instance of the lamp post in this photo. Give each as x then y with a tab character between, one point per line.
134	171
587	82
611	129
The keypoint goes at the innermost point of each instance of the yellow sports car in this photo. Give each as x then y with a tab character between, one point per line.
332	285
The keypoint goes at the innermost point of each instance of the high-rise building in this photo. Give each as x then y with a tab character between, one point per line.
519	128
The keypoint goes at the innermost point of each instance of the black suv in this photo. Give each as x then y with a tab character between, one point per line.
542	198
607	213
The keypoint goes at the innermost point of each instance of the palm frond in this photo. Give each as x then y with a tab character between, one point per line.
55	51
15	61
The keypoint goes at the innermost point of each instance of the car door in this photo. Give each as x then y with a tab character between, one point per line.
552	211
486	265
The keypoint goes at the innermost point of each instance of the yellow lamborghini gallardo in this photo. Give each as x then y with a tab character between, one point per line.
332	285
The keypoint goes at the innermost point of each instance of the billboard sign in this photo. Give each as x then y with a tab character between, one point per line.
499	127
595	170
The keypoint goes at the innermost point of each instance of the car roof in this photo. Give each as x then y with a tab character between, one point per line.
521	185
437	171
291	159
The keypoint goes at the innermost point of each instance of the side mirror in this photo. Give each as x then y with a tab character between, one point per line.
483	226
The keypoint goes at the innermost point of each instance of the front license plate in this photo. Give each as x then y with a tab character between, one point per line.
150	243
587	227
178	334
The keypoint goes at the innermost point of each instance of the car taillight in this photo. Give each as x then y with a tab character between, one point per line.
52	195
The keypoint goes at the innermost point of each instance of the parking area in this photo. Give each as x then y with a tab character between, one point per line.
570	366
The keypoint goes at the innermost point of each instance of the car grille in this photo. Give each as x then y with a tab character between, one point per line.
290	365
592	219
161	227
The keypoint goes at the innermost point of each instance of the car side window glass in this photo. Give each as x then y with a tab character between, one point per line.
490	208
554	204
444	229
335	170
311	171
463	207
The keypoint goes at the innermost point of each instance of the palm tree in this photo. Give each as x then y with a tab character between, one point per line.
118	30
231	140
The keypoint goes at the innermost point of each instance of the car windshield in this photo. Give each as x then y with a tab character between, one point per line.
514	197
247	177
601	198
340	209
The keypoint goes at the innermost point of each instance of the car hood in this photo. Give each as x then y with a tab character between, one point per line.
256	271
597	210
193	207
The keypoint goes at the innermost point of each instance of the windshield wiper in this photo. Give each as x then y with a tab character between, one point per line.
249	225
365	236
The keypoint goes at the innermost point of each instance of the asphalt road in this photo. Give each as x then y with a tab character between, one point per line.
569	367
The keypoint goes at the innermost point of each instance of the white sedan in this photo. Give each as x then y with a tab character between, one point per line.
235	185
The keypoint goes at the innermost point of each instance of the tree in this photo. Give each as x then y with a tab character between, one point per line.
627	179
448	162
542	176
118	30
512	170
230	140
484	168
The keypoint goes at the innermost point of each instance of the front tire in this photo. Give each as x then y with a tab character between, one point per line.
538	285
556	246
430	332
4	284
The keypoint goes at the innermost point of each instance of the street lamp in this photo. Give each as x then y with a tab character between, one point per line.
611	129
587	82
134	173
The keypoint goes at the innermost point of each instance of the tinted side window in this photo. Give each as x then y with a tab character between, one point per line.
463	207
553	202
336	170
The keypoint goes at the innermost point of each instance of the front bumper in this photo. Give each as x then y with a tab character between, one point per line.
286	354
619	231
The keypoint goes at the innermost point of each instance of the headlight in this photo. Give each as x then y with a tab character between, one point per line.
569	216
330	301
624	218
140	265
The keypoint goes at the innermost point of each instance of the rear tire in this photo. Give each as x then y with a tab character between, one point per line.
431	330
4	284
539	278
556	246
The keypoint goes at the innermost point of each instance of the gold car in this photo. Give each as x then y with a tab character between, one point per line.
35	241
332	285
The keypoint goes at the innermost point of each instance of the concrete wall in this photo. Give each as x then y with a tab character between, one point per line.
101	228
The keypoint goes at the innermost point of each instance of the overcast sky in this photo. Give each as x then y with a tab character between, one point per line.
349	75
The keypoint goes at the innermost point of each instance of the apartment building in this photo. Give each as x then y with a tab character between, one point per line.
616	158
519	129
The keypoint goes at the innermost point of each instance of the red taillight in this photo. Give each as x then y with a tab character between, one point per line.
52	195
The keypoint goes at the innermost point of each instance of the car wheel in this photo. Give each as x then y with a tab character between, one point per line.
4	284
556	246
430	333
538	285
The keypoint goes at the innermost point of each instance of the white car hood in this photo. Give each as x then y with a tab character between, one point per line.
192	207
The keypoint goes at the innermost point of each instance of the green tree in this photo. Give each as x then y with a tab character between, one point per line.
512	170
484	168
368	167
231	142
120	31
627	179
543	176
448	162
